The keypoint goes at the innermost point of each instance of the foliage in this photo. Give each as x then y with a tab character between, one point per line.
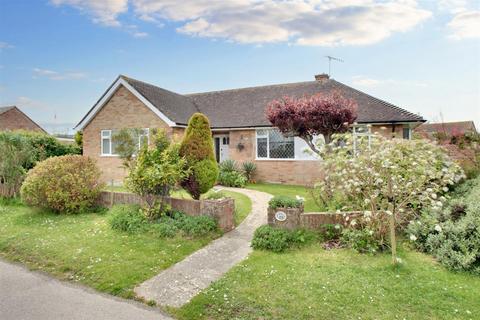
291	191
389	181
45	146
308	117
154	173
452	235
232	179
278	239
195	226
360	240
215	195
164	229
66	184
197	146
16	154
230	175
249	169
78	137
128	218
20	151
284	202
228	165
205	173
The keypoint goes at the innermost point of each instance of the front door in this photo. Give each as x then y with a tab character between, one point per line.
222	143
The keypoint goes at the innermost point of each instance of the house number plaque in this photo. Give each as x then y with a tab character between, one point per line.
280	216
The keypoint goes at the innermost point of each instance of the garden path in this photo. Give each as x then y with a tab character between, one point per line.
177	285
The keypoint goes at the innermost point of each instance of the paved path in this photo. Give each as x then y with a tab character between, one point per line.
181	282
34	296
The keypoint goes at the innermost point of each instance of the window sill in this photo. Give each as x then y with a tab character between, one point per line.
109	155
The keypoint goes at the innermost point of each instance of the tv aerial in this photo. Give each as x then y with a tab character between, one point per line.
330	58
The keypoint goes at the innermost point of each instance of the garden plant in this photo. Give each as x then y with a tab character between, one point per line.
390	181
197	149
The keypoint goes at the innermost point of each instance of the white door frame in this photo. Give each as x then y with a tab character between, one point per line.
224	145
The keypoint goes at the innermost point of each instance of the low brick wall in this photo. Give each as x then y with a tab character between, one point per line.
222	210
296	218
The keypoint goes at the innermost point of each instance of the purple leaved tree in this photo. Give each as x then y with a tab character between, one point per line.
307	117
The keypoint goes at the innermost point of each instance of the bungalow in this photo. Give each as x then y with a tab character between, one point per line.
240	130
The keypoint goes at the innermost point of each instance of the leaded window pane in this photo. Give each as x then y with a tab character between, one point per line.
280	147
262	148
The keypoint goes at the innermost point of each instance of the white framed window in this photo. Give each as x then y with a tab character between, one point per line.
108	145
407	133
271	144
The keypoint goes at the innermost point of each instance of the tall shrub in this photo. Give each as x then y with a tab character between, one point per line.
16	154
197	148
66	184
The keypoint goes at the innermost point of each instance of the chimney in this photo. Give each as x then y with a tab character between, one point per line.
322	77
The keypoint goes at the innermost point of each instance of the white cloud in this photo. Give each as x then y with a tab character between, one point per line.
102	11
367	82
54	75
465	22
465	25
4	45
323	23
303	22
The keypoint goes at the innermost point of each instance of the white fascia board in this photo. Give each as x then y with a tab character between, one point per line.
121	82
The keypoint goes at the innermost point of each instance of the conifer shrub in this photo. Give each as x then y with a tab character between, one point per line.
197	148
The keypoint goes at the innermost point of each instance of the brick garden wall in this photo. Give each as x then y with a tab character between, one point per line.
296	218
222	210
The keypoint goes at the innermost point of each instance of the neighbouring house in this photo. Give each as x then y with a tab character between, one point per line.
446	128
12	118
240	129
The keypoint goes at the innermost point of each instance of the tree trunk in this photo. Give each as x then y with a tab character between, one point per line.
393	238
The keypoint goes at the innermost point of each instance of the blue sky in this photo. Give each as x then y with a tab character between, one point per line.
57	57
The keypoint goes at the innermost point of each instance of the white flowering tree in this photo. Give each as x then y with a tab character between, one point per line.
388	180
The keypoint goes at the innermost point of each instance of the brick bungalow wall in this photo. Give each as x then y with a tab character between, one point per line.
13	119
123	110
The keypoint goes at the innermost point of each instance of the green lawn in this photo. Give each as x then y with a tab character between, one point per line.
288	190
84	248
313	283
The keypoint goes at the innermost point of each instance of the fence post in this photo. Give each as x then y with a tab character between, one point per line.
111	193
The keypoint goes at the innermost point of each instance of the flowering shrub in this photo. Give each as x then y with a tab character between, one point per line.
389	180
452	235
66	184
